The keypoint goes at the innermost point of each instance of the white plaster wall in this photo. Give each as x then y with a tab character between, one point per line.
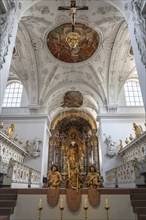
121	99
24	99
44	169
120	208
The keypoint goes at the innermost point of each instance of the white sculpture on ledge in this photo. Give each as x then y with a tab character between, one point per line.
110	146
36	150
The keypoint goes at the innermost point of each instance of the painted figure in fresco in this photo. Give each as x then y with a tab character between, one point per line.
73	180
10	130
54	177
93	179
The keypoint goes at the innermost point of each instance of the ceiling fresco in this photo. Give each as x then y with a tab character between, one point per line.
88	44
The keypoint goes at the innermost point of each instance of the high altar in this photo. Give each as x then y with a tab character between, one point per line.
73	142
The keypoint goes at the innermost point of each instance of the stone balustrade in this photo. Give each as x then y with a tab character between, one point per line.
24	174
135	149
123	173
134	157
12	167
9	149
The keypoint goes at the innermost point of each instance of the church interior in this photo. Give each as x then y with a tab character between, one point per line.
73	109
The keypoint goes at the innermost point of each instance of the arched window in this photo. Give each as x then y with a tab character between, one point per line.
13	94
133	93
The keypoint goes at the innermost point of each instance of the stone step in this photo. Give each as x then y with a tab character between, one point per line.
4	217
7	203
8	191
141	217
138	203
8	197
6	211
138	197
140	210
138	191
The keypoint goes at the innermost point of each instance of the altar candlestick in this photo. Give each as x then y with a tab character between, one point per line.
85	204
107	207
40	208
40	204
61	206
106	204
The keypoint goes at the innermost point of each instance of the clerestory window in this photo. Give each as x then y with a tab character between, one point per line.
133	93
13	94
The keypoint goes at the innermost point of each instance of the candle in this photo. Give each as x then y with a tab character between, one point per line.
106	203
85	203
61	203
40	204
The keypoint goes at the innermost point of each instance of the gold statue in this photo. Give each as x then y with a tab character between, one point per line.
93	179
10	130
1	125
54	177
73	180
138	130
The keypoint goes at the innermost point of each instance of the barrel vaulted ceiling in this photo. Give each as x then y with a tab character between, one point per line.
99	78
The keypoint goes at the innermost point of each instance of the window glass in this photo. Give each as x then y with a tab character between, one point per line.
133	93
13	94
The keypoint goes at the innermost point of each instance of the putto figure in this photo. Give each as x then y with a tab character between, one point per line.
10	130
93	179
54	177
138	130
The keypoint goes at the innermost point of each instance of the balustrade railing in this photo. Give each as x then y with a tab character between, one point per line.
134	159
12	167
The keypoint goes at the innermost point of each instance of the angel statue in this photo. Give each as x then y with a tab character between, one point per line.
138	130
54	177
93	179
10	130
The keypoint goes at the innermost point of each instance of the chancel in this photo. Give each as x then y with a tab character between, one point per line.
72	110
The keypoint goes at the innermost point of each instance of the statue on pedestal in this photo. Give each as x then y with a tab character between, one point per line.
138	130
54	177
110	145
93	179
10	130
54	180
93	182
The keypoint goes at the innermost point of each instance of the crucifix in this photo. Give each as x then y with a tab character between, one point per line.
73	10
